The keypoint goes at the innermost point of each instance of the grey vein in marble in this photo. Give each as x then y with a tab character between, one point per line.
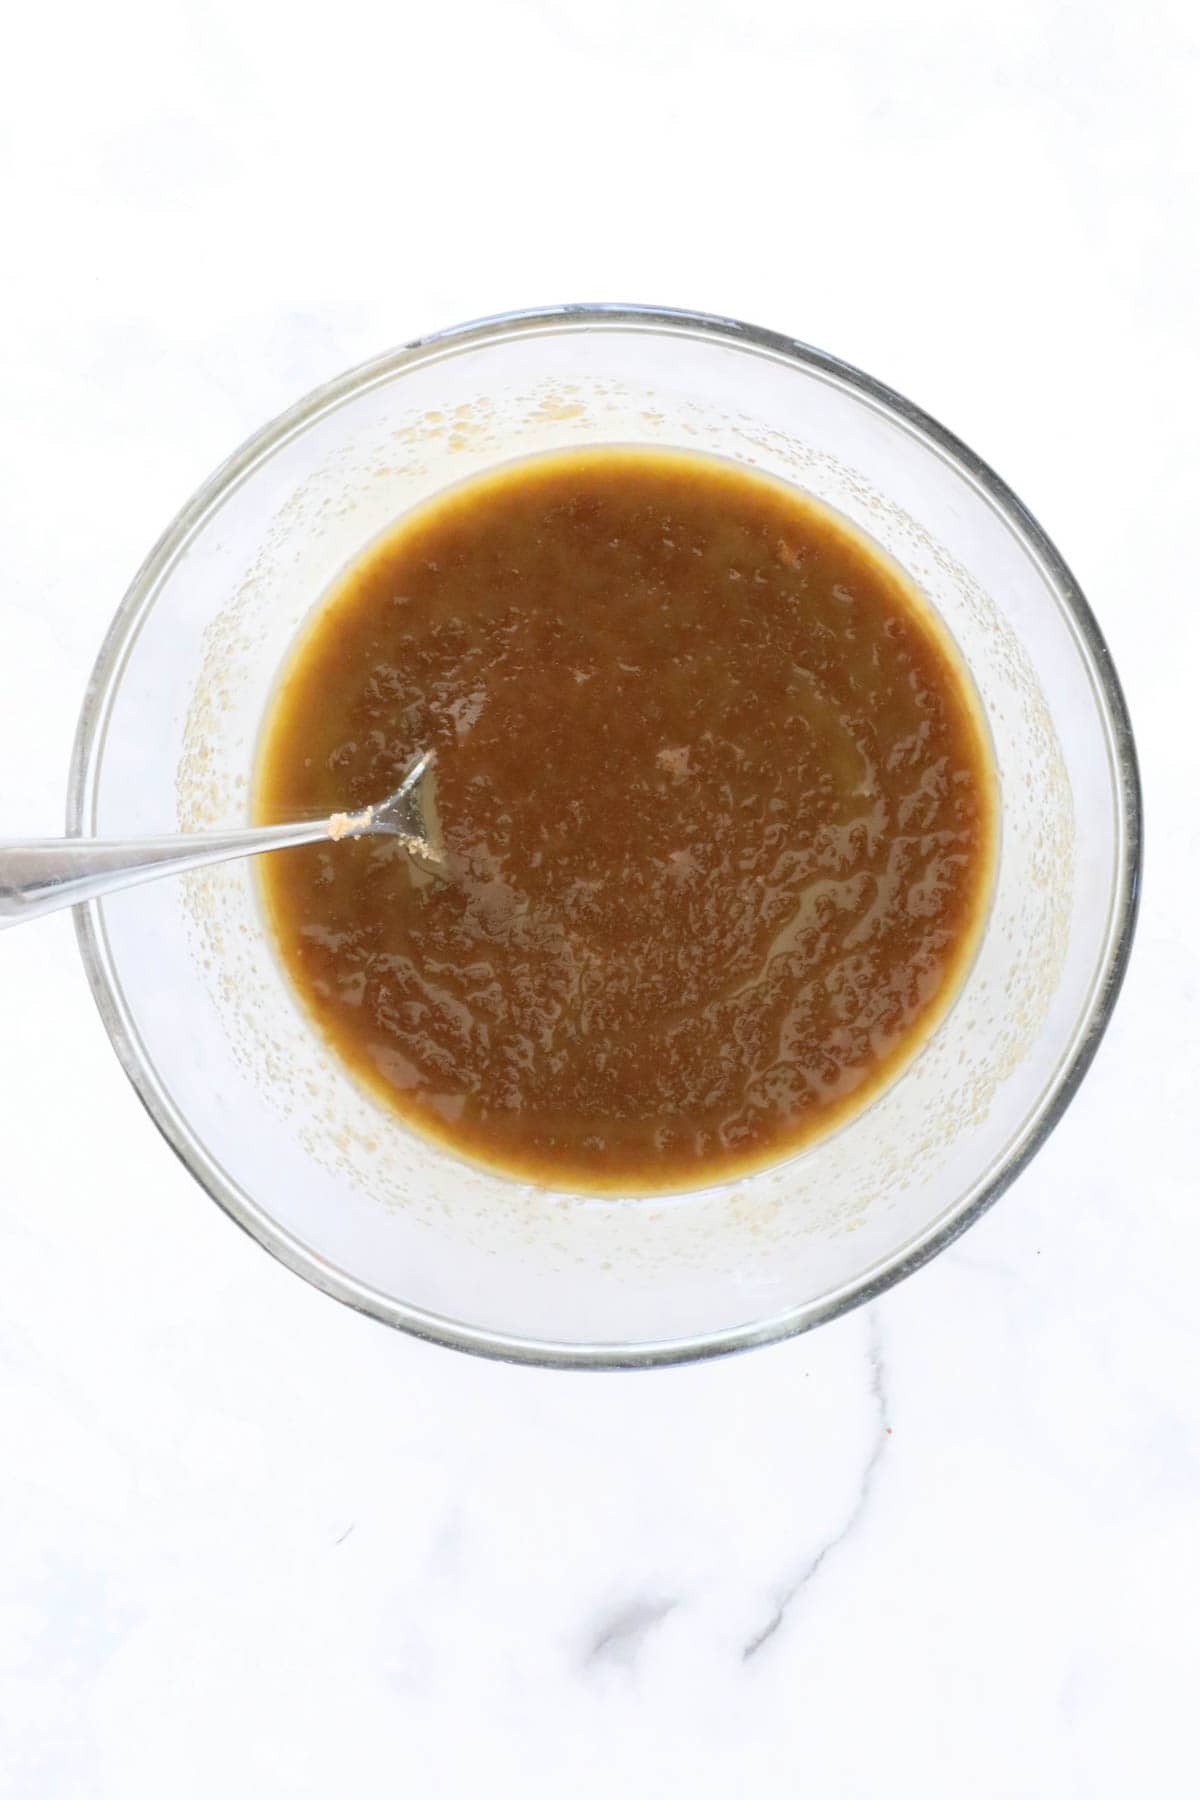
621	1638
816	1562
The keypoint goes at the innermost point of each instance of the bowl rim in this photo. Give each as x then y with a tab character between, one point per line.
105	984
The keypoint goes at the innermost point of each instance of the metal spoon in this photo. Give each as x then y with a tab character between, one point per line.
48	873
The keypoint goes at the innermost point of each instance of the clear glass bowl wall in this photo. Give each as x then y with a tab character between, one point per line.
266	1117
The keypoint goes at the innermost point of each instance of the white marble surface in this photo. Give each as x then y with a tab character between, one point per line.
252	1544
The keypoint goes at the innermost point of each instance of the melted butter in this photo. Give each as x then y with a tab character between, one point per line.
717	807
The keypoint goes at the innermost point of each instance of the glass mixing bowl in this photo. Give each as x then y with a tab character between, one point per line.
265	1116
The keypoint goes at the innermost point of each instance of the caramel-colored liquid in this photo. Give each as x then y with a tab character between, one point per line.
717	804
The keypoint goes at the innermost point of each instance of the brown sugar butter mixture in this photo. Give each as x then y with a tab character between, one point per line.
717	805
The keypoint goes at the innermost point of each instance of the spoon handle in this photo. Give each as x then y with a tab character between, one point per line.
44	874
